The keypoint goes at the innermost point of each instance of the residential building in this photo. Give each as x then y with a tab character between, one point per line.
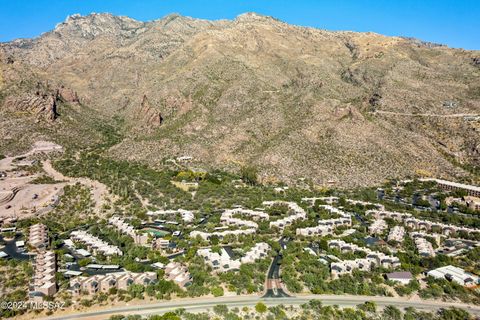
103	283
124	227
378	227
38	236
179	274
473	191
375	258
45	267
397	234
95	244
296	213
455	274
424	247
403	277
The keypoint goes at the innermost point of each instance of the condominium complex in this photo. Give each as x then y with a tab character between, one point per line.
378	227
397	234
419	224
103	283
38	236
124	227
224	261
44	281
95	244
327	226
187	216
178	273
372	258
424	247
297	213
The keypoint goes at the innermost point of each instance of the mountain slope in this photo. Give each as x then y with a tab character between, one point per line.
296	102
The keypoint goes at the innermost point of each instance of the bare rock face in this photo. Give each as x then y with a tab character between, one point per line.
68	95
345	106
42	105
148	114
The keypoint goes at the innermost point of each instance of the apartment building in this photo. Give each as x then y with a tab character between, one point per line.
103	283
221	234
45	267
397	234
179	274
424	247
418	224
297	213
378	227
223	261
187	216
375	258
473	191
124	227
38	236
95	244
327	226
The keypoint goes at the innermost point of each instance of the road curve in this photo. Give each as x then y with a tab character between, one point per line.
203	304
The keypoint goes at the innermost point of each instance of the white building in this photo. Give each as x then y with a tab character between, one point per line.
375	258
397	234
178	273
95	244
378	227
455	274
296	213
124	227
187	216
222	262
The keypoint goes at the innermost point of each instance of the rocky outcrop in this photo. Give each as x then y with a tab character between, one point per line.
68	95
148	114
43	105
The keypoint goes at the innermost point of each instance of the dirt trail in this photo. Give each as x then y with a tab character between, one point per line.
454	115
99	191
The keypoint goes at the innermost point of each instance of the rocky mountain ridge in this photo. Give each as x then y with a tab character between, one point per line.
296	102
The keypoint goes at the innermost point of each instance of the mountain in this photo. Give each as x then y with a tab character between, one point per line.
343	107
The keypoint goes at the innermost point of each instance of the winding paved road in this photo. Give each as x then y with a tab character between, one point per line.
204	304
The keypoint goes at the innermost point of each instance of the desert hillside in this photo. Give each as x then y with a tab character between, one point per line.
343	107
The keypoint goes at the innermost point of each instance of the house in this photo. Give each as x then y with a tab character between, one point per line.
404	277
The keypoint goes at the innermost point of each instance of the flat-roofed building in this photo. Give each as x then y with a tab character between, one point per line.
397	234
103	283
403	277
455	274
38	236
44	281
179	274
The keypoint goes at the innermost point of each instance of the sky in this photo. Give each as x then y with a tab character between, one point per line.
455	23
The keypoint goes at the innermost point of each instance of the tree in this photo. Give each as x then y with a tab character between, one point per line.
260	307
454	314
392	313
249	175
368	306
217	291
220	309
